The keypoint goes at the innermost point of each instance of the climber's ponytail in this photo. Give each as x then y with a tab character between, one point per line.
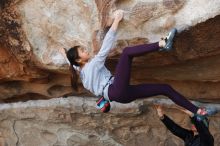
72	55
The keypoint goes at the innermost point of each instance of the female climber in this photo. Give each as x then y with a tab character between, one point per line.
97	78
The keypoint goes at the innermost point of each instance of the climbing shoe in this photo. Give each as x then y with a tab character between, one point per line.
205	112
169	40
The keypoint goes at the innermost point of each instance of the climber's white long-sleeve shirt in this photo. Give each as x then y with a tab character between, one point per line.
94	74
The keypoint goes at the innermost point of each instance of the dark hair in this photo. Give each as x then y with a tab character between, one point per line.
72	55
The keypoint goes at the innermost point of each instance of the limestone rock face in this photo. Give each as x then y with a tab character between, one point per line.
32	31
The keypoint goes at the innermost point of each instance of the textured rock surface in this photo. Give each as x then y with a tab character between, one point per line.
74	122
31	31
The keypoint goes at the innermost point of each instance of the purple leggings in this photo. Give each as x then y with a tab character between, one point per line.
121	91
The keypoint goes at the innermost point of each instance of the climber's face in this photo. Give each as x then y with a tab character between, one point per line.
84	55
